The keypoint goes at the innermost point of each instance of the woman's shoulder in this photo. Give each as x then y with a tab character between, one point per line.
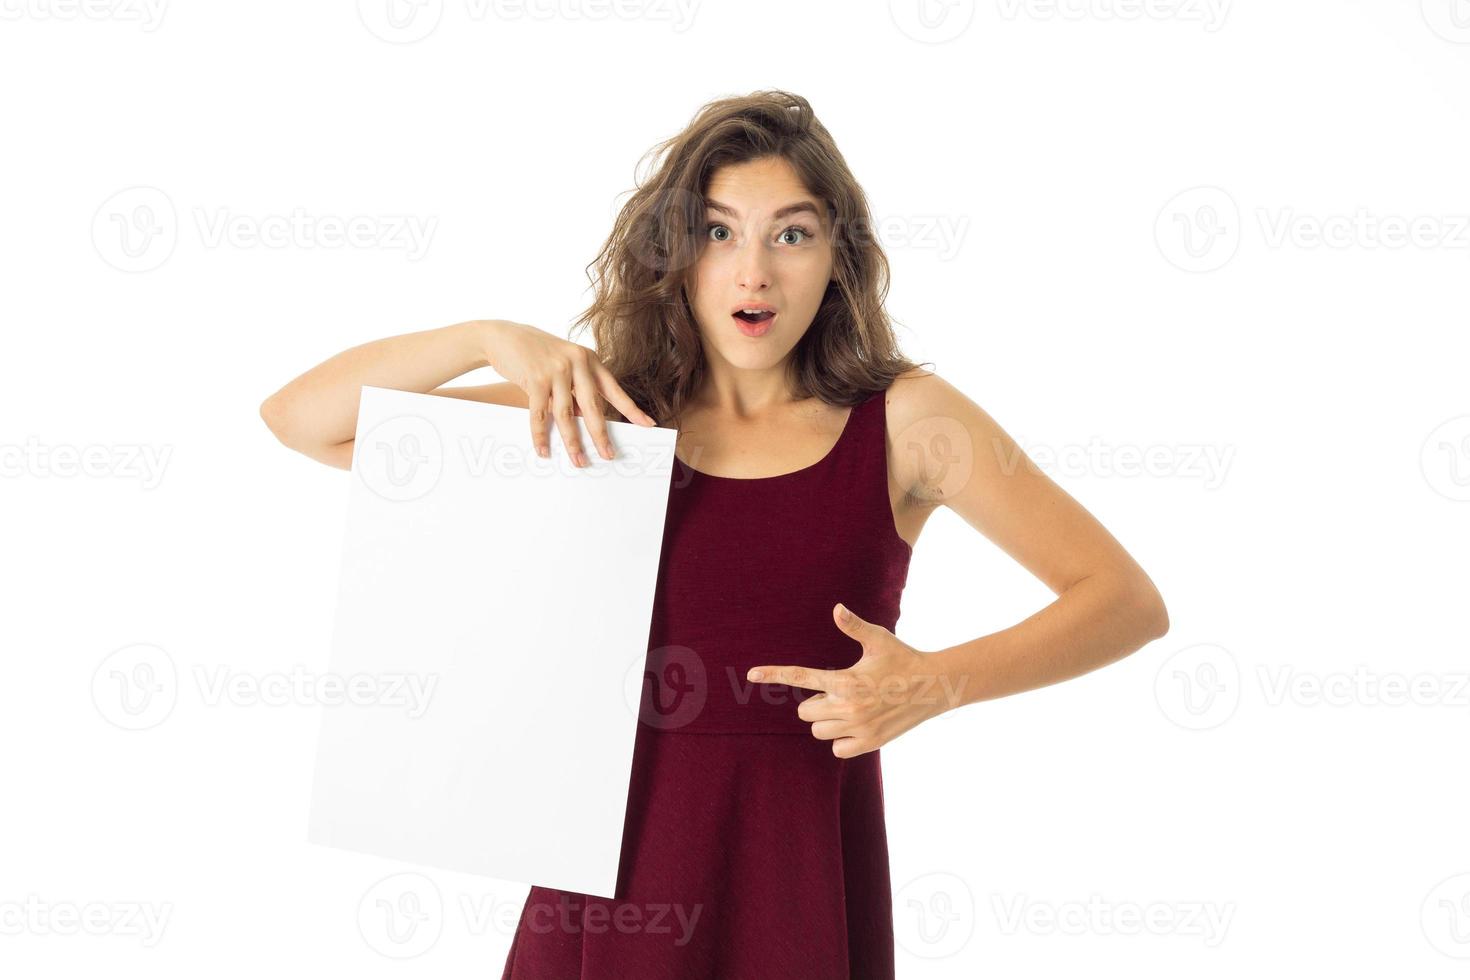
923	409
918	393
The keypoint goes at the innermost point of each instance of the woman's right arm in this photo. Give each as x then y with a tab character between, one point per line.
316	413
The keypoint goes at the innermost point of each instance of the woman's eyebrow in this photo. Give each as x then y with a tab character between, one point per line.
777	216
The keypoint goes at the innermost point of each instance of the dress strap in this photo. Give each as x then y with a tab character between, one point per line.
862	457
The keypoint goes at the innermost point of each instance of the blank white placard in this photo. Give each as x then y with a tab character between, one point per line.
491	629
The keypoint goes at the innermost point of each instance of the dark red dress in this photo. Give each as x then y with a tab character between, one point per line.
750	851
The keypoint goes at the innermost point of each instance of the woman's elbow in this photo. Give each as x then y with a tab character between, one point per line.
1153	614
276	416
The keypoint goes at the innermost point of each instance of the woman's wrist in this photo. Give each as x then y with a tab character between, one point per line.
954	669
481	338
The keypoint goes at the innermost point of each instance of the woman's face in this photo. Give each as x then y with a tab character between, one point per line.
767	243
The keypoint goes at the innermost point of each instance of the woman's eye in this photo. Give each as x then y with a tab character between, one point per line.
794	229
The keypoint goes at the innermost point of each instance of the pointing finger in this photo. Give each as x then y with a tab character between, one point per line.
810	678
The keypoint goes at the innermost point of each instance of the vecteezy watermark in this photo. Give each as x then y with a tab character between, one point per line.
1202	461
940	233
408	233
380	689
932	21
403	457
147	14
1361	687
401	916
1444	459
1450	19
1198	687
1362	229
137	687
400	21
572	914
934	915
896	689
137	230
1200	229
943	234
1445	916
1096	916
407	21
1210	14
668	688
1201	687
117	461
33	916
942	455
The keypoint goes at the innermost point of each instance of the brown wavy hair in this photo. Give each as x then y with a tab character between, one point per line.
642	326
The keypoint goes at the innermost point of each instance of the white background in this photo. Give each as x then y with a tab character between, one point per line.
1258	784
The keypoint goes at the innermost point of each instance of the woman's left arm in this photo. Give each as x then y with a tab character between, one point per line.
1106	605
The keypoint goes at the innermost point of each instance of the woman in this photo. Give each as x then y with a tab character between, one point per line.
740	299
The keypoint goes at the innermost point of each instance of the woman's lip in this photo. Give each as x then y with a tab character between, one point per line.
754	329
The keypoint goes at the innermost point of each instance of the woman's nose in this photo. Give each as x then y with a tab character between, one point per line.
752	271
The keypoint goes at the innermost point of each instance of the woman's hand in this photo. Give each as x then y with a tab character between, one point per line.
560	379
890	690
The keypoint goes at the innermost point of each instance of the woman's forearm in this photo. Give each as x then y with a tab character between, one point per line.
1096	621
320	406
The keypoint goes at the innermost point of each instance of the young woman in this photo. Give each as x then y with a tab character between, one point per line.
739	299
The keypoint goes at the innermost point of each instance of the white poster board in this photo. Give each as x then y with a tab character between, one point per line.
491	629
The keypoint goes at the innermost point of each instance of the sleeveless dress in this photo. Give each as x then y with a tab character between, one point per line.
750	851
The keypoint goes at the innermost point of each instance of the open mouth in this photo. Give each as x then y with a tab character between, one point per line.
758	316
